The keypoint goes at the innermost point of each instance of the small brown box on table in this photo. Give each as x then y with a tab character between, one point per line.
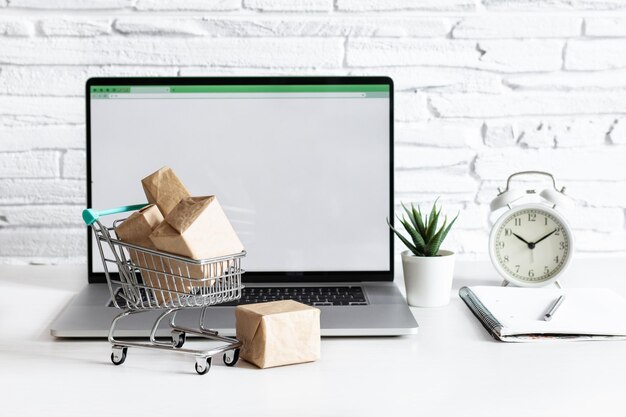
136	230
278	333
164	189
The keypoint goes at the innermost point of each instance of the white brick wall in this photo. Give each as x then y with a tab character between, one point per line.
484	87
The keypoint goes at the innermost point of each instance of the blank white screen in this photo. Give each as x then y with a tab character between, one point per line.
304	181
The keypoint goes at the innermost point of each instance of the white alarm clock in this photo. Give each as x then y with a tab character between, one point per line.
531	244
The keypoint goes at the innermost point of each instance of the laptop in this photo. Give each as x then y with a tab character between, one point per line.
303	167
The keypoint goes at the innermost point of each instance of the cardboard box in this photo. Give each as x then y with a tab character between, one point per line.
278	333
136	229
198	229
164	189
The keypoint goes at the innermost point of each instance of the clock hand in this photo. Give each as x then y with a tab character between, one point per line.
520	238
531	245
546	236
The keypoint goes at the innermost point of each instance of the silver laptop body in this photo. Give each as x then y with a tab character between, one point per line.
303	167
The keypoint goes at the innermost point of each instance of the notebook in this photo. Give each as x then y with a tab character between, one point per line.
513	314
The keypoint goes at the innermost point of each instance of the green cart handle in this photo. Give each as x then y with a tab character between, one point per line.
91	215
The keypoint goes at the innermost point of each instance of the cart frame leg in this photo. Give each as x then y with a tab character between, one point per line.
202	356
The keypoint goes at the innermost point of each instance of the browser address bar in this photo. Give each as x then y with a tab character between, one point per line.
235	95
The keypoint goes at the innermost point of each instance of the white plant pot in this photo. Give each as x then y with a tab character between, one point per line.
428	280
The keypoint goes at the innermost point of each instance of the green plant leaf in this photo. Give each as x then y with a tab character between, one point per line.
418	241
433	247
445	233
405	240
423	229
411	217
417	214
433	210
432	224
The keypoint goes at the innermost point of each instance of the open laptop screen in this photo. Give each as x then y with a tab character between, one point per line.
302	169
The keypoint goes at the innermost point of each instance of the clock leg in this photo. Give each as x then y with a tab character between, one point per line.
504	283
558	284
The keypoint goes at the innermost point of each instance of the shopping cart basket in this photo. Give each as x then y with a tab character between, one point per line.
149	280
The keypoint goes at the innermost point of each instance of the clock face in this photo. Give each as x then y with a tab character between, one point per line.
531	245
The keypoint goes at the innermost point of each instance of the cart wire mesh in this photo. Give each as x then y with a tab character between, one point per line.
151	279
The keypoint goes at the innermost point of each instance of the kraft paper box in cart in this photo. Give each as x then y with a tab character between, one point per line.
164	189
136	229
198	229
278	333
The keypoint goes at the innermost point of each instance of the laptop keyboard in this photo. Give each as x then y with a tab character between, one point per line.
314	296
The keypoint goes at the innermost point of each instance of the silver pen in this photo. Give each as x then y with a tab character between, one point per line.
555	306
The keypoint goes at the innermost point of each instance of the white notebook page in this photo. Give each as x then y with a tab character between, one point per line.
585	311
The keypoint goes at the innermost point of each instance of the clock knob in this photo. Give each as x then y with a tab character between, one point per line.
506	198
556	197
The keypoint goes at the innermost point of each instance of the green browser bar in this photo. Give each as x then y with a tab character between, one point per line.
110	89
326	88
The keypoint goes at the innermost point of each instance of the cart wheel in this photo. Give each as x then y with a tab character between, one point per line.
178	338
231	357
119	355
203	365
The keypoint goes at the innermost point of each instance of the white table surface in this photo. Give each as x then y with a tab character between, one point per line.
451	368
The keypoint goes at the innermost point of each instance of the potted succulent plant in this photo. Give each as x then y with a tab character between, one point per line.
428	270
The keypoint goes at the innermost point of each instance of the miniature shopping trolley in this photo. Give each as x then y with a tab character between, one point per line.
149	280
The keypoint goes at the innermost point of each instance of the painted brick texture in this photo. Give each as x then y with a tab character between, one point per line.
483	88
